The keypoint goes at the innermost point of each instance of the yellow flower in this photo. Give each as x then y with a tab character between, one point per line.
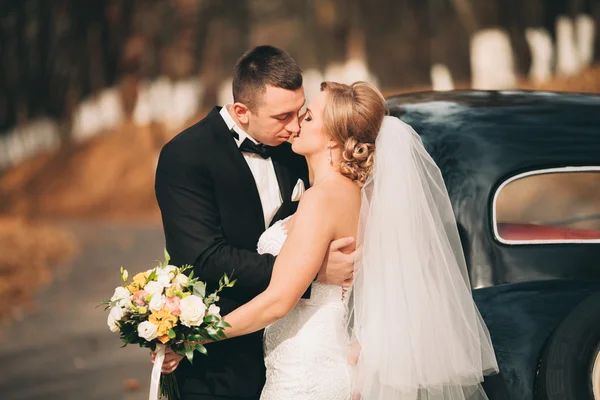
164	338
164	320
139	281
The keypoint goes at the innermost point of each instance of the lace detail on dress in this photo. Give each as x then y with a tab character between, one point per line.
271	241
306	351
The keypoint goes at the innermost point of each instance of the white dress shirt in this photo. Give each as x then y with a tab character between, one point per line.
262	169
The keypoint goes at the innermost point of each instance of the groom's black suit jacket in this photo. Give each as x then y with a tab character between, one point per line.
212	218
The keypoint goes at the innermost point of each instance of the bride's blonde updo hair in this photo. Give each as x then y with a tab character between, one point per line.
352	117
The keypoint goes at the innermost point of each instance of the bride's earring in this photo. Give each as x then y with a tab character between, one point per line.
329	158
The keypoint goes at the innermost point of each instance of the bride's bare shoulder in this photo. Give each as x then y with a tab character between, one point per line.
332	206
333	195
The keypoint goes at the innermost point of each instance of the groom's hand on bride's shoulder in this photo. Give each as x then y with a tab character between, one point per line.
170	362
338	266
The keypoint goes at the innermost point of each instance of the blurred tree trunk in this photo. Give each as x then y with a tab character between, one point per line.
594	9
226	40
330	30
466	15
516	17
398	41
9	65
450	36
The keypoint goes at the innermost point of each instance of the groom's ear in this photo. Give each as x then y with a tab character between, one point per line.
242	112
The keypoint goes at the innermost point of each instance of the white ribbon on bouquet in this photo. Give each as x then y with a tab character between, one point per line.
156	372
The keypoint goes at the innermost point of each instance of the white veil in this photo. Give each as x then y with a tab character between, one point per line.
421	334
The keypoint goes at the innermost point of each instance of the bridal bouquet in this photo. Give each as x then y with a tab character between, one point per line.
165	307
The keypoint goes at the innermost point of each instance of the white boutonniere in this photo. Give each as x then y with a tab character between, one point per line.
298	190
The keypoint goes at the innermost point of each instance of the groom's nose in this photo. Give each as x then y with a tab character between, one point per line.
293	126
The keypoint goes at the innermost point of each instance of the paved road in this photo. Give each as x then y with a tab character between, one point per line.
64	350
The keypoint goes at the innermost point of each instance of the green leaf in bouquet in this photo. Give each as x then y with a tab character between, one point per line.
221	334
185	267
191	275
212	332
194	337
167	256
213	298
200	289
209	319
232	283
172	334
222	324
201	349
189	353
152	276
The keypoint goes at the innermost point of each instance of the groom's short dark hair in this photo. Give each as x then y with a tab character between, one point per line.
260	67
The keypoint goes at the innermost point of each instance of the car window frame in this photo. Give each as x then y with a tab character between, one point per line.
498	238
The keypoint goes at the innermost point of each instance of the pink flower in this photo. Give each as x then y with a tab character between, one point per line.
173	305
139	298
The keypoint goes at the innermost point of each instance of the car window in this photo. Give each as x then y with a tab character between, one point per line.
558	205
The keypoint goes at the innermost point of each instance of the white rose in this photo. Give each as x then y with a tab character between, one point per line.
120	294
153	288
192	311
116	314
147	330
169	268
164	279
157	302
122	297
214	310
127	303
181	279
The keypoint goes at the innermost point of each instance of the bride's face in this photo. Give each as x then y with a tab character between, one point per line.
312	138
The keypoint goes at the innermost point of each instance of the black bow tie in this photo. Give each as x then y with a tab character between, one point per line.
248	146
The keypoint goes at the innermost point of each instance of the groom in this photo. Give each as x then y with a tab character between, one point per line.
219	185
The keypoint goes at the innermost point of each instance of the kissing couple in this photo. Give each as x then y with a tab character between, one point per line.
352	285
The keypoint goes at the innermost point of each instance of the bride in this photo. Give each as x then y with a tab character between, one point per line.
408	328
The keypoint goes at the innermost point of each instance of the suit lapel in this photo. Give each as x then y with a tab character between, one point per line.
247	192
284	179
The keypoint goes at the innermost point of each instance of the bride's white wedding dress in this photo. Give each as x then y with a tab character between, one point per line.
306	351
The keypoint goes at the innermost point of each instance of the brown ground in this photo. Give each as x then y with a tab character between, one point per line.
586	82
111	176
27	254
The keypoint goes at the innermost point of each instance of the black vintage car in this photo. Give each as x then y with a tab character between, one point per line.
523	173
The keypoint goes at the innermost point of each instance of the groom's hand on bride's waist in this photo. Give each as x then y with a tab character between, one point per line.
338	266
